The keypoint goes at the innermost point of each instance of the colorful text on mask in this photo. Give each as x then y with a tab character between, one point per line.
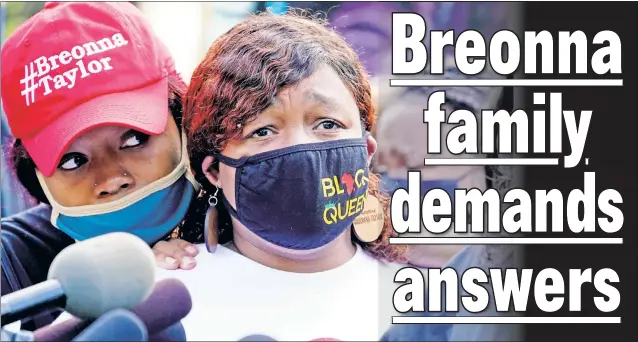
338	185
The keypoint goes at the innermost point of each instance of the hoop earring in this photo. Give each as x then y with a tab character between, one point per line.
212	199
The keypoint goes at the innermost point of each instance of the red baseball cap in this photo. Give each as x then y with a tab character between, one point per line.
76	66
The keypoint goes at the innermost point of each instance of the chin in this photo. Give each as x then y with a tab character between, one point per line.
287	253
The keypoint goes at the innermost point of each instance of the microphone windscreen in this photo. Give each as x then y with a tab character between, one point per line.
111	271
258	338
169	302
63	331
116	325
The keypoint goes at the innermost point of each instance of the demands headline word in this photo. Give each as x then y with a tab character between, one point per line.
521	216
491	131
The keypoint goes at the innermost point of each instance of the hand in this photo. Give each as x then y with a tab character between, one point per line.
175	254
179	254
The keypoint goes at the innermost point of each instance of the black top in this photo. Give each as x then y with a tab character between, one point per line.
30	243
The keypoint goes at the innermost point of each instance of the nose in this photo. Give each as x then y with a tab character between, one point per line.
300	135
114	181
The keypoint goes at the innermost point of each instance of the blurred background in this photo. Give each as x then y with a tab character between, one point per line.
189	28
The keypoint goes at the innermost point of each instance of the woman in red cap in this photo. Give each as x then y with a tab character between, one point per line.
94	101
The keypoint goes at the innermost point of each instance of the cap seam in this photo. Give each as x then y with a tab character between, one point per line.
28	133
55	26
138	39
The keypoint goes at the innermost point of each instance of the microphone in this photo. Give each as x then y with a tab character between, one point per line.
116	325
161	323
174	333
89	278
63	331
258	338
168	304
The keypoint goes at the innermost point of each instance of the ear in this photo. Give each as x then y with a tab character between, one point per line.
211	174
372	148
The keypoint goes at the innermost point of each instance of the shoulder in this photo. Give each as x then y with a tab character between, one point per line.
39	212
33	228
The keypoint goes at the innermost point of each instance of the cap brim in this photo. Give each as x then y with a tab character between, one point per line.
144	109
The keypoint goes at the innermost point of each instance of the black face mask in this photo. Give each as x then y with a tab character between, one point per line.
304	196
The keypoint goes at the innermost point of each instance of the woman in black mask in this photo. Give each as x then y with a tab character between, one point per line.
278	116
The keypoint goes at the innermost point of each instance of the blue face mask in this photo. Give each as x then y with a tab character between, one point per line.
150	213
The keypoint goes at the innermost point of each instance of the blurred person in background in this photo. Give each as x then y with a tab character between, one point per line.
96	111
403	137
278	116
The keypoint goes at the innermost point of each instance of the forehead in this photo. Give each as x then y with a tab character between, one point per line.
97	135
323	87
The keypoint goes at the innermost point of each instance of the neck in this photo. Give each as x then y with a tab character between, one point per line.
325	258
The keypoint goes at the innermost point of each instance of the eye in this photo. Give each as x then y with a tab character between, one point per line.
72	161
261	132
329	125
133	139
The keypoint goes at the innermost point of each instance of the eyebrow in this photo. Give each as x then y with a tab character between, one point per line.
326	101
311	95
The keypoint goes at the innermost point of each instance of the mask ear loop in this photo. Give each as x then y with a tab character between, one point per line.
212	199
